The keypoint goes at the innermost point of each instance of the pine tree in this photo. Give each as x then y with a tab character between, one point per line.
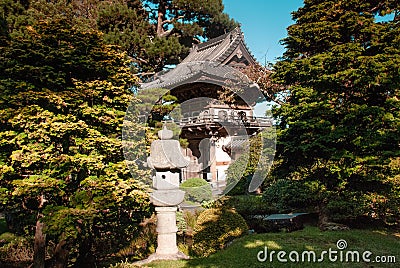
340	125
181	23
189	17
154	33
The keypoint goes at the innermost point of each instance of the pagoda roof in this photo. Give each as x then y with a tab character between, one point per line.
223	50
213	62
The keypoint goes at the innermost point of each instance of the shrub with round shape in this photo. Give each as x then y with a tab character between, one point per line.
215	228
197	190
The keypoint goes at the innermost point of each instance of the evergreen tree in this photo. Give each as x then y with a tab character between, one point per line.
154	33
181	23
340	125
126	24
189	17
63	97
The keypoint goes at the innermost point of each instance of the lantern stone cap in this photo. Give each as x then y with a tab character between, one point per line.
165	133
165	154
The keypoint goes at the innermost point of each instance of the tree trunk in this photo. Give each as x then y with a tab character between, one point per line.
160	18
39	248
60	258
323	218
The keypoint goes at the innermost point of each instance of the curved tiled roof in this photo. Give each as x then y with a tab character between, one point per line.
208	61
219	49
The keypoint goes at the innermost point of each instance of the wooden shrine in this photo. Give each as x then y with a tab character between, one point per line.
215	130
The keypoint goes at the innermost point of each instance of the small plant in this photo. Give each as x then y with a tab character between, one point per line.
191	219
197	190
186	222
181	223
184	248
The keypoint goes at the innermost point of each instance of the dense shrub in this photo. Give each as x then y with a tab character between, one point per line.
15	250
241	171
249	205
288	196
253	208
197	190
215	228
194	182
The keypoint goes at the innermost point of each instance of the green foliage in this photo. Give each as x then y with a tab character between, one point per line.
215	228
248	205
186	221
194	182
132	25
3	225
196	190
192	18
15	249
240	172
340	125
288	195
156	33
144	244
156	105
63	96
180	223
126	24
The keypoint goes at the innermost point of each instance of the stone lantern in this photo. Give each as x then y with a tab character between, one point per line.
166	158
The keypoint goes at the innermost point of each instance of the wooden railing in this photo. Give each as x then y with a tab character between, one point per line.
236	120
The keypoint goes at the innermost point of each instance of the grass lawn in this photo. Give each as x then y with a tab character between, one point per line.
243	252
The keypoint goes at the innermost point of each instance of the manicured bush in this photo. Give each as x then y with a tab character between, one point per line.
249	205
197	190
215	228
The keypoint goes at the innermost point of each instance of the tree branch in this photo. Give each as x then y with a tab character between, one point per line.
172	20
166	33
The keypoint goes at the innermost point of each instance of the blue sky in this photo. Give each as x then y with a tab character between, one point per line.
264	23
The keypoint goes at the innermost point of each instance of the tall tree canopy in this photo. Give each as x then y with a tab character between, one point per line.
63	97
340	125
167	28
154	33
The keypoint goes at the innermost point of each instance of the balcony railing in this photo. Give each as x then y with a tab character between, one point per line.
233	120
